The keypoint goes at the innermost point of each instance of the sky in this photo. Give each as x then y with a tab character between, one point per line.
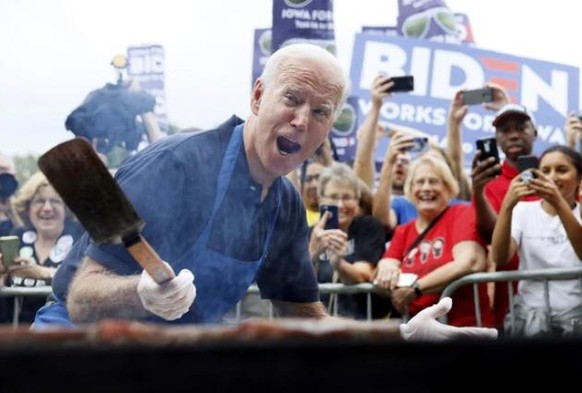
54	52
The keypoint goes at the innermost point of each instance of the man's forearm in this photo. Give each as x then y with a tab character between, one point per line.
96	294
299	310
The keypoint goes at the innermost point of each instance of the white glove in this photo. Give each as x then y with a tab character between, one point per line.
170	300
424	326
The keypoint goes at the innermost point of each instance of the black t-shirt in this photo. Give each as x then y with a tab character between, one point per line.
366	242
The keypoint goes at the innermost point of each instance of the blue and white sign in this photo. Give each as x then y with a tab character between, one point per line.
303	21
549	90
147	65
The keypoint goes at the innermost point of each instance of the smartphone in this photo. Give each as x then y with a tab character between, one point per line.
477	96
420	144
488	147
406	279
524	164
9	248
402	84
333	219
527	162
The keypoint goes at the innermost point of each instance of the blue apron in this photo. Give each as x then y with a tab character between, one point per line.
221	281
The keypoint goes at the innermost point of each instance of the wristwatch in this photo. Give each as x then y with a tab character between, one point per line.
416	288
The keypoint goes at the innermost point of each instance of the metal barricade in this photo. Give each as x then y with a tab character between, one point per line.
18	293
329	288
544	275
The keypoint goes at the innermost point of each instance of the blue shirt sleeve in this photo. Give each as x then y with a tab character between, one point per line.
404	209
154	185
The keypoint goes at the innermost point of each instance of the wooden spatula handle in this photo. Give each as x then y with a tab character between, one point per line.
149	259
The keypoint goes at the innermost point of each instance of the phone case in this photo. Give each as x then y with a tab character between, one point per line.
527	162
477	96
332	220
402	84
488	147
9	248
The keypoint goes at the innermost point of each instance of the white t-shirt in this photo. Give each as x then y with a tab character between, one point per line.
543	243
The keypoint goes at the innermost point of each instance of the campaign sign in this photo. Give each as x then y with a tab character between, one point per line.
261	52
550	90
303	21
147	65
343	132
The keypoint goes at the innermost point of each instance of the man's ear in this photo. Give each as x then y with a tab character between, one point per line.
258	90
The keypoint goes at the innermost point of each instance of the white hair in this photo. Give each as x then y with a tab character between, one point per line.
277	61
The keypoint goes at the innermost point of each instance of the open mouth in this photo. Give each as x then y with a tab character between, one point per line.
287	146
427	198
514	148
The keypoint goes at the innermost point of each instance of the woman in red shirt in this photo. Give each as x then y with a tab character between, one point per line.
450	249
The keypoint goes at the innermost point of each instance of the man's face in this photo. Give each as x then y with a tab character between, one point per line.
400	171
515	136
294	114
310	196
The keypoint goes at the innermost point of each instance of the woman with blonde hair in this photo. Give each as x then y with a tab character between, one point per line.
47	231
438	247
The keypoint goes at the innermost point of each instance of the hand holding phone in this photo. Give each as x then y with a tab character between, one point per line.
9	248
332	219
401	84
525	164
488	148
420	144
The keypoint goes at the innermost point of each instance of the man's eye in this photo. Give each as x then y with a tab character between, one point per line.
291	98
321	113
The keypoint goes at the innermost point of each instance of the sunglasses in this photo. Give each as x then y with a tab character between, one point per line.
417	25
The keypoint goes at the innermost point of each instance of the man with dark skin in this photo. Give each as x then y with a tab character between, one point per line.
515	132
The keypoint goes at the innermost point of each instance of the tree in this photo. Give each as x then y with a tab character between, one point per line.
25	167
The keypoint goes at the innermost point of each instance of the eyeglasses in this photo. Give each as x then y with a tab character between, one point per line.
432	181
39	202
417	25
310	178
343	198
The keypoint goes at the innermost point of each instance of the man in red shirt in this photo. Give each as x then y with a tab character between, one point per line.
515	132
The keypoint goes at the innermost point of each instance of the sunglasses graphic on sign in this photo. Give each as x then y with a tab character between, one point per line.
418	25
